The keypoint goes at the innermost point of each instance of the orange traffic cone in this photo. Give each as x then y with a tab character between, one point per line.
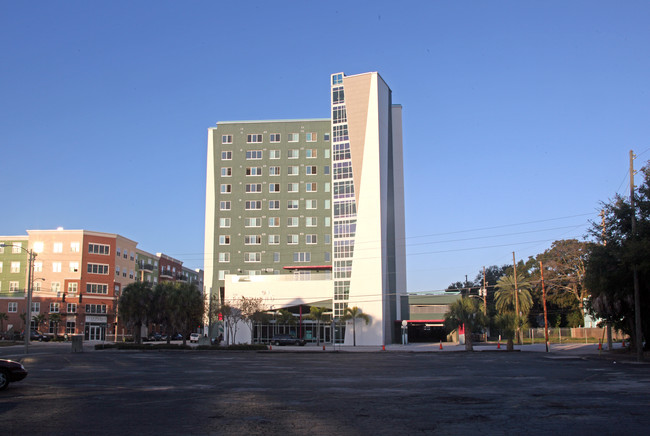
623	343
383	348
270	347
498	345
323	347
441	345
600	346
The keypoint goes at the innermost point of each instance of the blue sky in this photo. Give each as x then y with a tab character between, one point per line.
518	116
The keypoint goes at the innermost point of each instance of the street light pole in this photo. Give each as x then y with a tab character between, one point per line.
30	279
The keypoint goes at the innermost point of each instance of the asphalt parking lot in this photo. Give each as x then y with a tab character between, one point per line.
311	392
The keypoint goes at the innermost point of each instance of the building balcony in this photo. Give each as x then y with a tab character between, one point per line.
145	266
166	274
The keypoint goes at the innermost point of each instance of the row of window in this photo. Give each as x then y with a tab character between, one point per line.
275	204
57	247
16	247
294	153
126	254
298	275
294	170
117	272
254	188
12	307
293	239
255	138
302	256
225	223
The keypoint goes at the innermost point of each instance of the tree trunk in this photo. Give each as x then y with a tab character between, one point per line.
510	345
354	332
468	341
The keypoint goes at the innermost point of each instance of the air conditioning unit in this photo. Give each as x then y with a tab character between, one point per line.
269	270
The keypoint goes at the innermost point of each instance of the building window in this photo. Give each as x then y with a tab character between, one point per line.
226	155
36	307
339	115
38	247
253	154
74	247
254	138
13	286
311	187
16	247
224	205
327	187
326	169
253	187
74	267
293	170
311	153
96	288
292	187
15	267
326	153
117	270
293	137
38	266
72	308
99	249
254	171
292	204
276	257
226	189
73	287
274	221
224	239
252	240
326	137
226	139
252	257
36	286
292	239
311	170
311	137
292	221
95	308
275	137
327	238
224	223
293	153
302	257
274	239
12	307
55	287
273	205
274	187
224	257
58	247
254	205
274	171
56	267
311	221
311	204
226	172
327	221
253	222
222	274
274	154
311	239
97	268
54	307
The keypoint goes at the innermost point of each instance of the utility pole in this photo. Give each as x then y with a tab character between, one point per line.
541	270
514	265
637	296
484	294
608	325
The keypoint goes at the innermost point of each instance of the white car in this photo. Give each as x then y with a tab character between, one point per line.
194	337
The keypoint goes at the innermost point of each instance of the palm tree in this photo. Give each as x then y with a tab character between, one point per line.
506	323
507	299
3	318
285	317
135	303
187	303
465	312
353	313
55	318
38	320
317	314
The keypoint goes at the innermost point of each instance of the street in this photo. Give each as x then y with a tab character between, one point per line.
311	392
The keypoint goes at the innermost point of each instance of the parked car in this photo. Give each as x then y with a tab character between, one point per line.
287	340
154	337
194	337
35	335
10	372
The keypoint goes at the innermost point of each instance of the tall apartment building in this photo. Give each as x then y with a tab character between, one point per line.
77	274
303	196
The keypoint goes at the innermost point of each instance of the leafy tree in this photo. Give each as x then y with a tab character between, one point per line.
564	269
3	317
610	265
55	318
253	311
465	312
135	307
187	308
317	314
284	317
354	313
506	324
39	320
162	307
231	316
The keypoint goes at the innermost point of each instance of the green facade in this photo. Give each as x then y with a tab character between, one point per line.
291	228
7	277
146	267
